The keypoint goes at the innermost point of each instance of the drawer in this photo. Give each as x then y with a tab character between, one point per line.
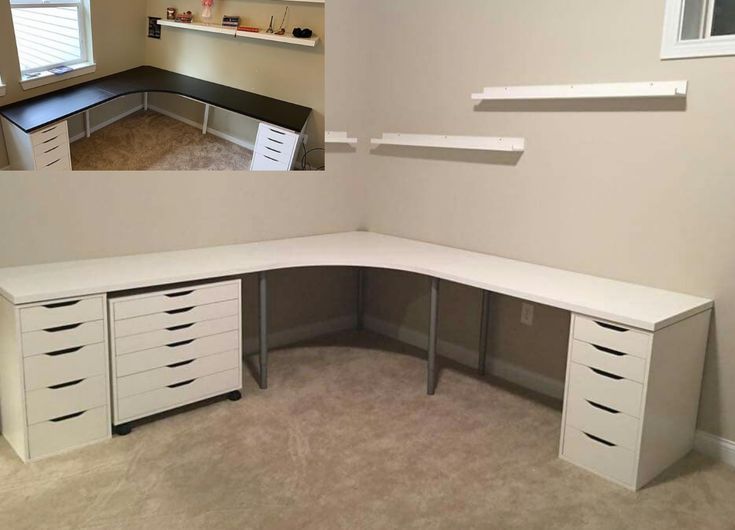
598	420
609	460
51	437
263	162
621	395
54	402
50	134
178	299
56	314
56	165
613	336
63	337
176	317
609	360
58	156
157	357
175	335
275	139
77	363
166	398
176	373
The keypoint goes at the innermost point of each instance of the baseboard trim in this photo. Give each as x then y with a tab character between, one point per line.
716	447
301	333
106	123
6	168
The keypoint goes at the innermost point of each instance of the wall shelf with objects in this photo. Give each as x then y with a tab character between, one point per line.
475	143
651	89
339	137
214	28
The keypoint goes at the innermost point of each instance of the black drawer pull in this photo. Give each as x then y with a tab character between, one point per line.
179	311
63	328
606	374
269	158
62	304
182	343
271	149
602	407
54	162
278	132
63	352
275	141
611	327
49	129
68	417
599	440
52	149
177	295
183	383
182	363
182	326
51	140
64	385
608	350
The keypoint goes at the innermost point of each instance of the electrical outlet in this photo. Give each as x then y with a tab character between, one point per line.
527	314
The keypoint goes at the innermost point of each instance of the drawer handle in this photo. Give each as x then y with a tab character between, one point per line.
63	328
182	326
49	129
271	149
269	158
606	374
177	295
275	141
611	327
182	363
52	149
54	162
599	440
608	350
50	140
179	344
179	311
183	383
63	352
62	304
65	385
68	417
602	407
277	132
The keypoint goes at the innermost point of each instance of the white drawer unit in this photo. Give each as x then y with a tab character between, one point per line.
44	150
275	149
174	347
631	396
54	375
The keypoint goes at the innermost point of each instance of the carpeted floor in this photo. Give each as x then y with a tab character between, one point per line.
345	437
152	141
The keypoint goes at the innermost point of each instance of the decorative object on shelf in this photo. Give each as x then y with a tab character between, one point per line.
249	29
230	21
185	17
270	27
207	10
154	30
171	13
305	33
282	31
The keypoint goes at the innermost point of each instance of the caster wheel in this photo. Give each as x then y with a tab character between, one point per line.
123	430
234	395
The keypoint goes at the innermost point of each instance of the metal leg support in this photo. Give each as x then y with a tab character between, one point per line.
263	289
485	316
433	313
205	123
87	126
360	299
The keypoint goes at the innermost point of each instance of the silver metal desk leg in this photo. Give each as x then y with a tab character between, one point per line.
484	317
360	299
263	290
205	123
433	313
87	126
145	100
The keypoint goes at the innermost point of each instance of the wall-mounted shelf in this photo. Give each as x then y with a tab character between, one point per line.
653	89
476	143
339	137
214	28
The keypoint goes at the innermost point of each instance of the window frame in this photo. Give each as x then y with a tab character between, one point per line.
673	47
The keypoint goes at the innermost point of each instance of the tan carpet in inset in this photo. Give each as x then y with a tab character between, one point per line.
345	437
152	141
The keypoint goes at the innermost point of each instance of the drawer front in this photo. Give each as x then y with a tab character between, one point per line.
178	299
611	461
57	165
598	420
276	140
63	337
621	395
53	158
50	437
50	134
263	162
176	317
613	336
166	398
50	403
176	373
173	336
165	355
608	360
56	314
48	370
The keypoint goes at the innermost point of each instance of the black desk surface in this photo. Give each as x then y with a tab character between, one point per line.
40	111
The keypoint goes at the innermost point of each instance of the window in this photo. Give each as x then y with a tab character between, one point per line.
50	34
699	28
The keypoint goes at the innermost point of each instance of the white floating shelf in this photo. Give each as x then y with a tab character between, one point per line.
653	89
338	137
214	28
477	143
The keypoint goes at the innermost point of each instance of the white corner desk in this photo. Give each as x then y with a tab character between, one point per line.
635	356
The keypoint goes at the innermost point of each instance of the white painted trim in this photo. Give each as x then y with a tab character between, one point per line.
106	123
338	137
301	333
715	446
674	48
476	143
502	369
78	70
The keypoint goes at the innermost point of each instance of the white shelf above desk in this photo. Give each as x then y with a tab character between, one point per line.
652	89
339	137
214	28
475	143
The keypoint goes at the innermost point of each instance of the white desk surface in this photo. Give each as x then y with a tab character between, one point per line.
633	305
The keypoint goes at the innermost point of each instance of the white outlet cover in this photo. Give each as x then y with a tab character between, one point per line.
527	314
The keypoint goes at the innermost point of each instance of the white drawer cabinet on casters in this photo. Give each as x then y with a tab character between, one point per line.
44	150
54	376
174	347
632	396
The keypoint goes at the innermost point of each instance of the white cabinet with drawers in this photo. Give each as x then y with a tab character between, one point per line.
174	347
54	377
44	150
631	396
275	149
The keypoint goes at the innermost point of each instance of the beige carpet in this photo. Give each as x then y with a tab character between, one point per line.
152	141
346	438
